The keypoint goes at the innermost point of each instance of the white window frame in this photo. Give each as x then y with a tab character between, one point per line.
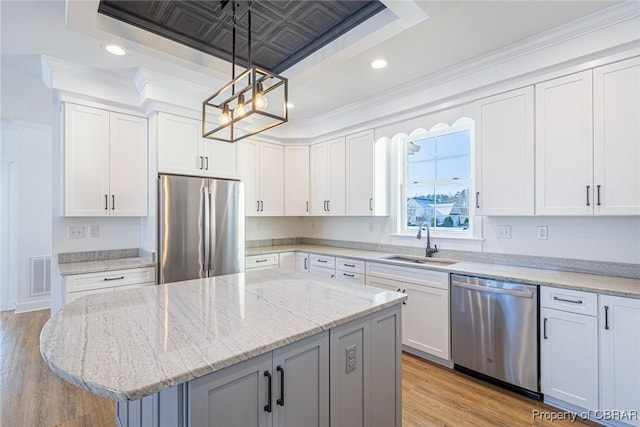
461	125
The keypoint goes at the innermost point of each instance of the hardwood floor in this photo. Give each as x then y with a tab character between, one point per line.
31	395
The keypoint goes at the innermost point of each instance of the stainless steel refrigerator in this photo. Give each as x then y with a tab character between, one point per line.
200	227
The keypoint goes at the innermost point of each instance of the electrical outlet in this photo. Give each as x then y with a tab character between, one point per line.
504	231
350	355
93	231
542	232
75	232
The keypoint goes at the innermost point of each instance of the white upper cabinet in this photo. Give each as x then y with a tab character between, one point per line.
564	146
616	138
262	171
328	176
366	175
105	163
183	151
296	180
505	154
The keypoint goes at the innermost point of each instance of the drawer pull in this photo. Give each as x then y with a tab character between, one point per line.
323	260
567	300
262	260
106	279
350	265
348	274
267	407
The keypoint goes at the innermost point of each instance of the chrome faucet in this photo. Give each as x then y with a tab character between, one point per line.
429	250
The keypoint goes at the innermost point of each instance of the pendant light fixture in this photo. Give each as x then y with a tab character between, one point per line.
251	103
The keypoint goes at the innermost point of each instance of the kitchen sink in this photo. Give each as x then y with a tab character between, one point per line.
418	260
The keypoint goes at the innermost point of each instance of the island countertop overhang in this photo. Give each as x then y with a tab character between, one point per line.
134	343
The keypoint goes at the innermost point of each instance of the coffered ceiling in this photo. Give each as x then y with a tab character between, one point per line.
283	31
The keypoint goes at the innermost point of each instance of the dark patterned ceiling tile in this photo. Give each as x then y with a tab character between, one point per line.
283	31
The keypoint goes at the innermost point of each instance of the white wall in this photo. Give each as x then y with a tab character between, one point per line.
29	208
259	228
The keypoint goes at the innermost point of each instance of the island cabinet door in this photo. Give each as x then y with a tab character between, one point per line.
234	396
301	383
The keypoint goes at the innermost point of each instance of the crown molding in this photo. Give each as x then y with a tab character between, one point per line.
615	16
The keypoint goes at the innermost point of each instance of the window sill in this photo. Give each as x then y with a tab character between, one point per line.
439	236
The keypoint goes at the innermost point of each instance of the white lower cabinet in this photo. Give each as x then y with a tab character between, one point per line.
569	349
261	262
322	265
79	285
286	387
425	324
619	320
287	261
302	262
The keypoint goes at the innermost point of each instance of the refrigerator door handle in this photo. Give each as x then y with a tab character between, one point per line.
211	220
205	230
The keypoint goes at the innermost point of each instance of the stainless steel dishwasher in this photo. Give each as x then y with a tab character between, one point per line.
494	331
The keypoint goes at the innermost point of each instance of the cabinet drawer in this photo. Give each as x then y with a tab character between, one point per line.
436	279
329	273
350	265
322	260
109	279
569	300
259	261
350	277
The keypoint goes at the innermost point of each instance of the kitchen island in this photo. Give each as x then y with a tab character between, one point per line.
294	349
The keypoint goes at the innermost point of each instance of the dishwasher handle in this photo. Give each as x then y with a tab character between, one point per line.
525	293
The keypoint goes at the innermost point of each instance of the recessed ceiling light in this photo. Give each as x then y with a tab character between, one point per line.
378	63
115	49
290	105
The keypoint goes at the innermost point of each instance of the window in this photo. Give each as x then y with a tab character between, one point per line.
437	179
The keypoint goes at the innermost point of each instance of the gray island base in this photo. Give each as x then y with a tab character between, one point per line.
265	348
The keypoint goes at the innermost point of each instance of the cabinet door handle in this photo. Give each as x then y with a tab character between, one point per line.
305	264
328	206
257	205
206	164
348	274
106	202
107	279
598	190
370	203
567	300
280	401
113	202
588	202
307	206
325	205
261	206
267	407
404	291
606	317
477	199
201	163
544	328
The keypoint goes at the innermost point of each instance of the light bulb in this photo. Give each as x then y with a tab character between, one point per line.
259	100
241	108
225	117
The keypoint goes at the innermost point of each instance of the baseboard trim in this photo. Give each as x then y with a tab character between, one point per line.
9	306
41	304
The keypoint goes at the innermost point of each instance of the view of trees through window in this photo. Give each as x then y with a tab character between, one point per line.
437	179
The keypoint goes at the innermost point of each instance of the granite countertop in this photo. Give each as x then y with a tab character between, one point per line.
609	285
69	268
133	343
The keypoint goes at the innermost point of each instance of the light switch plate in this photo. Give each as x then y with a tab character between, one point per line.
93	231
75	232
504	231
